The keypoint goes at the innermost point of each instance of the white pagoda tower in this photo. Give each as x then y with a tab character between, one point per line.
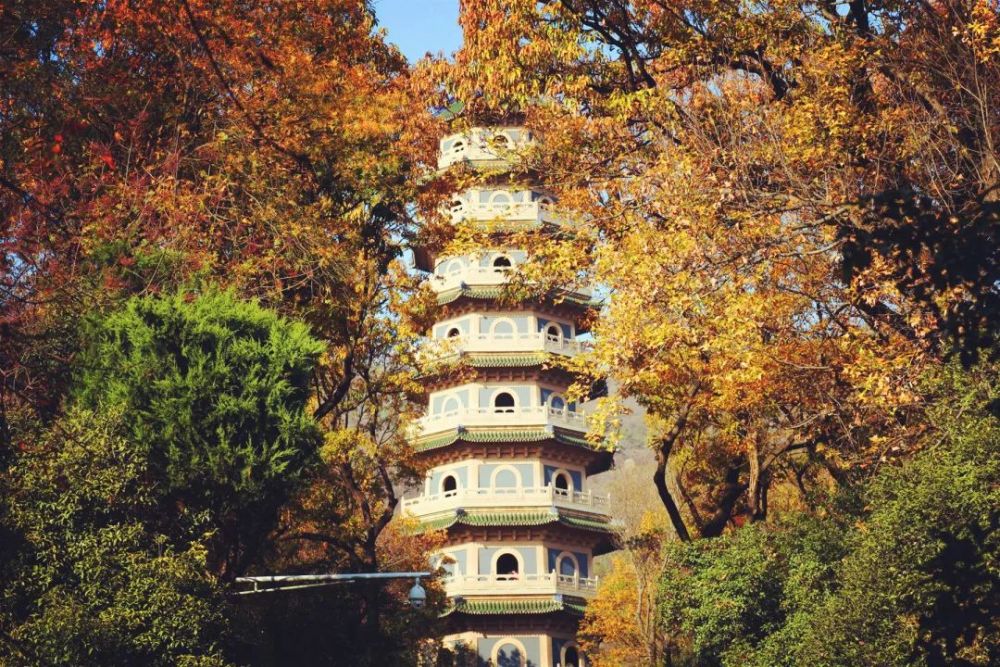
509	466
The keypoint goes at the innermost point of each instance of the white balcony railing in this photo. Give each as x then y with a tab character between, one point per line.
544	496
481	144
478	276
536	416
532	213
514	584
443	349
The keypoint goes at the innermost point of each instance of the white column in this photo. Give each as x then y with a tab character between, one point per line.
474	473
545	650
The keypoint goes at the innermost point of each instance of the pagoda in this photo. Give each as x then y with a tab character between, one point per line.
509	466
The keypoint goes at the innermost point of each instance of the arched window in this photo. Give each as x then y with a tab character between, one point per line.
446	563
451	405
557	402
501	140
504	328
505	479
562	482
571	657
454	332
449	484
554	332
507	565
453	267
508	654
457	205
567	565
500	200
504	402
502	263
458	146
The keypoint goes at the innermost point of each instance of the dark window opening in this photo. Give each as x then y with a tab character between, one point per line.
454	332
449	484
572	657
507	565
502	262
561	482
504	402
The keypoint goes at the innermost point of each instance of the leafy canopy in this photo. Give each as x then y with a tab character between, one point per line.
89	583
907	576
213	392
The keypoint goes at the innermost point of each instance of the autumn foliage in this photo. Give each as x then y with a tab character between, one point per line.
793	209
269	148
790	214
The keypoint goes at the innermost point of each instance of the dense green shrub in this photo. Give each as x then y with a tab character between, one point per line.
911	576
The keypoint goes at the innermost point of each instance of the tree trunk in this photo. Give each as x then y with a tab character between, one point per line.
660	480
662	463
732	490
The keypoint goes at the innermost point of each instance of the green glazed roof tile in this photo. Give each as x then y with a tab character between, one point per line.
451	295
483	436
531	435
505	360
581	522
491	519
535	435
497	607
513	518
500	436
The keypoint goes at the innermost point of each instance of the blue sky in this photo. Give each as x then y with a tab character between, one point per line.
419	26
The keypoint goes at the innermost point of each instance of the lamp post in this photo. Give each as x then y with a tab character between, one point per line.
271	583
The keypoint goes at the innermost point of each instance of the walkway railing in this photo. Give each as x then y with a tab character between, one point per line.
538	341
506	584
531	212
536	416
478	145
544	496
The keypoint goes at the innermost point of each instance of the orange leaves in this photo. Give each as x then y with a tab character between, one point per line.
619	627
720	161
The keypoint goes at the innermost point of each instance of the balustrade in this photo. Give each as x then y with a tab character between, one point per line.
540	341
526	417
494	497
505	584
533	212
479	145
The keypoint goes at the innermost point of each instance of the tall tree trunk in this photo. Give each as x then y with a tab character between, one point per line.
660	480
666	446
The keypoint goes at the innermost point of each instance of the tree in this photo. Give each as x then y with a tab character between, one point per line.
213	394
267	147
920	583
91	583
622	625
264	144
904	573
792	207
